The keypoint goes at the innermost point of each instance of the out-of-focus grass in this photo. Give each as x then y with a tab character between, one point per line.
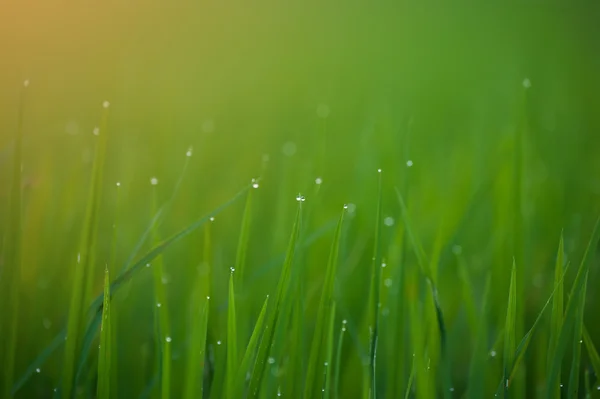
478	170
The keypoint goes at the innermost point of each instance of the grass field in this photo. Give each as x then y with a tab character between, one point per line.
302	201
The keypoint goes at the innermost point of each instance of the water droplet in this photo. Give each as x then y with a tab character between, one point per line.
343	329
255	185
218	342
457	249
278	391
383	264
118	184
212	219
271	360
158	305
581	341
346	206
326	364
26	83
154	181
409	163
55	389
323	390
561	385
105	104
379	170
526	83
232	269
598	388
300	198
38	370
96	131
388	221
147	264
351	208
493	353
207	297
318	180
344	321
388	282
168	339
323	110
78	258
289	149
451	389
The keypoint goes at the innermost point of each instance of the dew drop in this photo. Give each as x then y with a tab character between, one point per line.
189	152
158	305
493	353
154	181
271	360
451	389
218	342
38	370
388	221
105	104
326	364
383	264
26	83
388	282
232	269
379	170
212	219
526	83
318	181
300	198
207	297
409	163
168	339
255	185
118	184
96	131
147	264
561	385
346	206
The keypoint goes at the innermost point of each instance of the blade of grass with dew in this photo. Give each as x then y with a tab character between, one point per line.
329	353
316	353
240	382
372	321
196	355
476	387
106	348
232	352
338	361
573	388
571	311
161	311
557	310
267	339
509	329
12	251
411	378
86	248
592	352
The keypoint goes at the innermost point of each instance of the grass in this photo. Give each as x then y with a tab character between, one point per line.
439	278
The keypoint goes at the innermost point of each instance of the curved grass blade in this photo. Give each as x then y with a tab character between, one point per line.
573	389
240	381
571	310
85	263
592	352
316	356
557	310
96	307
105	351
10	275
197	354
411	377
267	339
509	328
232	353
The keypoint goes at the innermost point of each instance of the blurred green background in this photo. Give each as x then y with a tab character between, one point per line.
441	86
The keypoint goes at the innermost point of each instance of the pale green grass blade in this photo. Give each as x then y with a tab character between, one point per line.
316	357
573	388
10	282
476	387
84	266
571	311
411	378
250	352
467	295
338	361
557	310
510	344
242	248
232	352
106	341
592	352
271	323
196	356
329	353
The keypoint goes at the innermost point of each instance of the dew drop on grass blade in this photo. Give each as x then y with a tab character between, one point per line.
106	341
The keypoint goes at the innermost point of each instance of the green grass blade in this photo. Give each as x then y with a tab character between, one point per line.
105	351
573	389
338	361
329	353
10	282
316	357
242	248
509	329
250	352
467	295
592	352
267	339
557	309
411	378
232	352
571	311
476	387
197	353
84	265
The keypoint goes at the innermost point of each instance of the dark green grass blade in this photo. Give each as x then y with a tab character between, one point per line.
329	353
571	311
573	388
509	329
232	352
197	353
592	352
338	361
271	323
11	272
85	264
476	387
105	351
557	310
316	356
96	307
250	352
